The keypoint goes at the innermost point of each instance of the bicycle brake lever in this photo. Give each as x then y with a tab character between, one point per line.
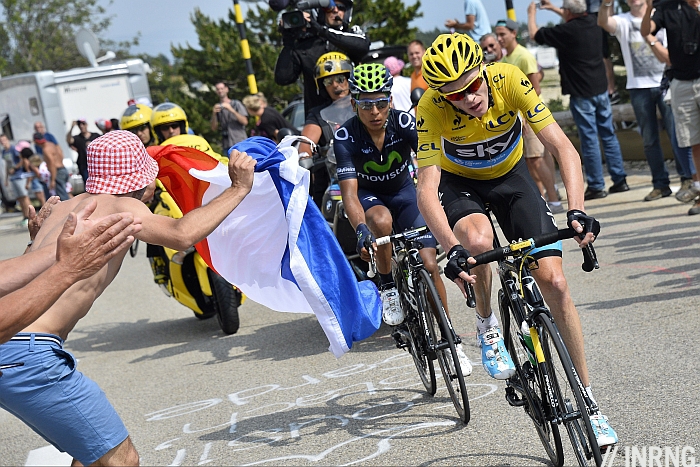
590	260
471	300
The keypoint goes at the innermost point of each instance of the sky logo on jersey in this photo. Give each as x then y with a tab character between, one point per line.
484	154
371	165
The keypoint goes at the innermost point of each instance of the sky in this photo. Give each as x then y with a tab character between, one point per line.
166	22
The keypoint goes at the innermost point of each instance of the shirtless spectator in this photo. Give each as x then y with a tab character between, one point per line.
30	284
71	412
53	156
40	128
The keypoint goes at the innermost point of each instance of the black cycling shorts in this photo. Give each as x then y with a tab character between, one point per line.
513	198
403	206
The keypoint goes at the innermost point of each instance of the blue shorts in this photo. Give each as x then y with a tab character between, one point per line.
403	206
59	403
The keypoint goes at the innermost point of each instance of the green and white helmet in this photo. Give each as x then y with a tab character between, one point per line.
370	77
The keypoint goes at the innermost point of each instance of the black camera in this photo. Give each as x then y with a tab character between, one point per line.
295	19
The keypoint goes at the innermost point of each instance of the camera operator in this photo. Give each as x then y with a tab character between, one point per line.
304	45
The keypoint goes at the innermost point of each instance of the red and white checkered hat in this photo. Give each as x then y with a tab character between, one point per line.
118	163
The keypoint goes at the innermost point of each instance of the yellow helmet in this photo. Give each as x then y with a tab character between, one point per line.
135	115
449	57
331	63
166	113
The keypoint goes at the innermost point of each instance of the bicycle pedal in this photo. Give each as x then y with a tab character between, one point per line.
513	399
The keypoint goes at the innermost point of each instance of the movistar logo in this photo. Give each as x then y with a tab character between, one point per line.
393	156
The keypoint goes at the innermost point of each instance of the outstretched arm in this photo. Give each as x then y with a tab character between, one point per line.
180	234
77	256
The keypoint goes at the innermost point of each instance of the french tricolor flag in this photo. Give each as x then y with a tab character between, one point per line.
275	246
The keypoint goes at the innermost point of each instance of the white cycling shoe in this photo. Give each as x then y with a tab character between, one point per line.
392	314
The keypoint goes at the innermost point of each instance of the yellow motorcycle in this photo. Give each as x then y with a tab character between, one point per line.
184	275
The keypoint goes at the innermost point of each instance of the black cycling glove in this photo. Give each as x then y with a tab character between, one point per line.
456	262
589	223
363	234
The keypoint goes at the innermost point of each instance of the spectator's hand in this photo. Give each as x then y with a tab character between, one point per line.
83	254
546	5
241	170
217	108
532	8
451	23
36	220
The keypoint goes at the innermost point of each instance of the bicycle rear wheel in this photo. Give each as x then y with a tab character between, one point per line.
442	337
571	407
418	345
526	381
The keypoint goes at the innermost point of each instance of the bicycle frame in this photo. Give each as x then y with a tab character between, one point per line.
537	380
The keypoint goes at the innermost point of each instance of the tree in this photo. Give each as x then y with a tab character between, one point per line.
218	56
39	35
387	20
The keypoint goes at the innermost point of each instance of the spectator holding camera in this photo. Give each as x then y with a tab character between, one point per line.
229	115
681	18
303	46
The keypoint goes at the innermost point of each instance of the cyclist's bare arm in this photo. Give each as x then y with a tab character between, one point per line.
564	152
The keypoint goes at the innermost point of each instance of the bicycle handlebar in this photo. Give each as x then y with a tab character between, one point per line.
407	234
590	260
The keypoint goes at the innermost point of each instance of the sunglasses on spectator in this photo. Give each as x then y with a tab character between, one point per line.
340	79
172	126
367	104
471	88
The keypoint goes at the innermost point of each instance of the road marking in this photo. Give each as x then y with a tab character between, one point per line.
48	455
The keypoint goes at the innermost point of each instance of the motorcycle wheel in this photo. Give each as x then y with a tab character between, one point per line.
227	301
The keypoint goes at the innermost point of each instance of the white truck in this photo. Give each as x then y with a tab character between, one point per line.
59	98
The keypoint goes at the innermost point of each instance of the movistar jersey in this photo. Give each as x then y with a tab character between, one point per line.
484	148
382	171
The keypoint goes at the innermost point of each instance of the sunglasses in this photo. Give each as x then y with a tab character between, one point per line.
172	126
367	104
471	88
339	6
139	128
340	79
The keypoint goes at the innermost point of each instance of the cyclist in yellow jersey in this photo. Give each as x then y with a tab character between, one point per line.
469	155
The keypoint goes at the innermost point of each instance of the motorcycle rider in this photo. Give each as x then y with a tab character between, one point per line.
331	73
373	152
137	119
170	126
304	46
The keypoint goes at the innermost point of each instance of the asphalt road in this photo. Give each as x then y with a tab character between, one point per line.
273	394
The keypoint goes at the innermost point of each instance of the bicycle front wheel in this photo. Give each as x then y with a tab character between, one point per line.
418	345
442	338
569	404
526	381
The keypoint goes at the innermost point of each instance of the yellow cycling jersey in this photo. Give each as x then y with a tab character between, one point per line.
484	148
